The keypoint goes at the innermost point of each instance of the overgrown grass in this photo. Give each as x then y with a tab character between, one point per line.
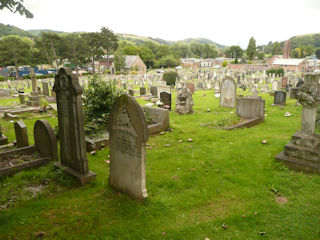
223	185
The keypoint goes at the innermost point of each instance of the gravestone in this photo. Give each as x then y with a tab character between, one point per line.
300	82
302	152
293	93
34	97
45	141
131	92
184	102
21	134
190	86
3	138
284	82
163	89
279	98
45	87
250	108
143	91
22	98
228	93
275	85
128	136
154	91
73	156
165	98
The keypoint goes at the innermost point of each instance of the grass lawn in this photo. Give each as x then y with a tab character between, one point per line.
223	185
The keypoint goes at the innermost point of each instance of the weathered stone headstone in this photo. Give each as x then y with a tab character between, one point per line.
73	154
131	92
154	91
45	87
280	98
300	82
184	102
250	108
3	138
165	98
302	152
34	95
284	82
44	139
143	91
128	136
22	98
21	134
228	92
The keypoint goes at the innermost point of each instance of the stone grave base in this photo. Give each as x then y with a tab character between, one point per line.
9	171
3	140
159	118
302	153
246	123
95	144
81	178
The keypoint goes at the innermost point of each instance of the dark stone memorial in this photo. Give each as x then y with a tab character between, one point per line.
21	132
165	98
143	91
73	155
279	98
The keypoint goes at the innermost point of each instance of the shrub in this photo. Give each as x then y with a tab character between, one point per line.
107	71
224	64
170	77
276	71
117	72
98	98
26	77
1	78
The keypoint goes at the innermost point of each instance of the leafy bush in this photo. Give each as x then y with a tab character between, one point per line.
117	72
224	64
107	71
26	77
1	78
276	71
170	77
98	98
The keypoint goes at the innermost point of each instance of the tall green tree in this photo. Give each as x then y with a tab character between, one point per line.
16	51
234	52
276	49
119	59
15	6
94	50
251	49
109	41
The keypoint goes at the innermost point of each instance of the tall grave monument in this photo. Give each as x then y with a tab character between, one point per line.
128	133
73	156
34	97
303	151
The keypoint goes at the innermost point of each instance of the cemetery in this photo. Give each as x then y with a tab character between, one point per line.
166	159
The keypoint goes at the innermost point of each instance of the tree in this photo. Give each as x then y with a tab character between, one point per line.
261	56
163	51
93	47
109	41
276	49
209	51
119	59
168	61
251	49
15	50
318	53
147	56
15	6
234	52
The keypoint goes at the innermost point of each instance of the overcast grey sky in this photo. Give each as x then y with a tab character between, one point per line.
228	22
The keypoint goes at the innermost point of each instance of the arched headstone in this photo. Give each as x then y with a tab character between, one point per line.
44	139
228	92
128	134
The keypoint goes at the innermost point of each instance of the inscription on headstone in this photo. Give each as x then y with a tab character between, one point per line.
279	98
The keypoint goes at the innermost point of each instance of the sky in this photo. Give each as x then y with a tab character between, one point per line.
227	22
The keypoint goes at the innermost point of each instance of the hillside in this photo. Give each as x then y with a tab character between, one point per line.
6	30
305	40
202	41
37	32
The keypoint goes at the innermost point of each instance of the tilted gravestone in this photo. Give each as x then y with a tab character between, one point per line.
44	139
165	98
143	91
45	89
128	134
3	138
21	132
73	155
302	152
228	92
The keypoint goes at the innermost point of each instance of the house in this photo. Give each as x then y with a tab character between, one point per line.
291	64
132	63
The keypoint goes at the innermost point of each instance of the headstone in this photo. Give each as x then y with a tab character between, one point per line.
45	141
143	91
184	102
163	89
73	155
128	136
131	92
275	85
217	87
22	98
154	91
302	152
3	138
228	93
34	95
284	82
21	134
250	108
45	87
165	98
300	82
279	98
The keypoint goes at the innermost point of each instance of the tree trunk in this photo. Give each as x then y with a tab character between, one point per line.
93	67
75	57
16	66
47	54
108	60
54	55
